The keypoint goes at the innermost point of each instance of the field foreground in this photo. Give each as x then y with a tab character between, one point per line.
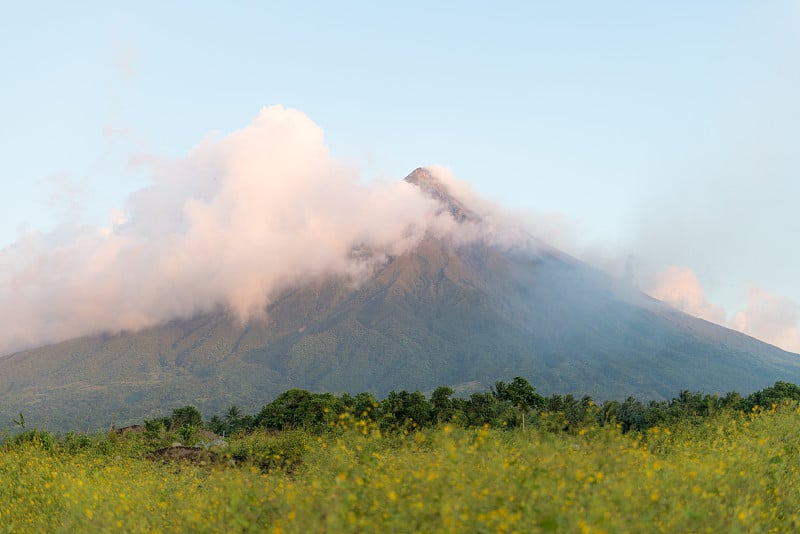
733	472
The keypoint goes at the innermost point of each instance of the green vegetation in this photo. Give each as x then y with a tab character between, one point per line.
317	462
506	406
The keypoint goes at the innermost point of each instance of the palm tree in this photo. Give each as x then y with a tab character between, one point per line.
232	418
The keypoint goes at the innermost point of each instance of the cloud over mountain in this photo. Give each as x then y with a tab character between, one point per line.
248	214
226	226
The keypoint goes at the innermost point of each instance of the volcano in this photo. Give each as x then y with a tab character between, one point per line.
462	314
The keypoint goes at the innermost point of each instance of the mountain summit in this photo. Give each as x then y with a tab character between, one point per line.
433	187
440	314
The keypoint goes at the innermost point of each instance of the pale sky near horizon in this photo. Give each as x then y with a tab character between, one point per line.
661	138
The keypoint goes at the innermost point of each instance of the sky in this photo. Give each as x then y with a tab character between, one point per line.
655	140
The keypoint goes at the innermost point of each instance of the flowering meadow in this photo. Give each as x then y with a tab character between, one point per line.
735	471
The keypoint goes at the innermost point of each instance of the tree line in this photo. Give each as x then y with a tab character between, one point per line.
507	405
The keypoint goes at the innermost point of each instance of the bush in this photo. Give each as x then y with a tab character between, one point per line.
268	451
40	438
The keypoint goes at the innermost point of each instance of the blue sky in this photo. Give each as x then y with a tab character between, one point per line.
662	136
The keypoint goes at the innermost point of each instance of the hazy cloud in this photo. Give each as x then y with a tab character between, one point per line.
770	317
680	287
237	219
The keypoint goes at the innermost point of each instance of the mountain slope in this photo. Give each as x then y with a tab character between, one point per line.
440	314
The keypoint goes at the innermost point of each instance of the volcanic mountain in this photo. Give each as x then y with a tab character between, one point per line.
444	313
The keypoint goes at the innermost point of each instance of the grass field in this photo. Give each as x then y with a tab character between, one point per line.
732	472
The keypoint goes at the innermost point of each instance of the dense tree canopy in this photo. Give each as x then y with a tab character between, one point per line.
506	405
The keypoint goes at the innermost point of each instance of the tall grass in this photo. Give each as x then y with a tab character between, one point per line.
734	472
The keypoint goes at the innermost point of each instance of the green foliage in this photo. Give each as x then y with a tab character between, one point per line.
443	409
772	395
218	426
156	432
362	406
41	438
404	410
187	435
233	421
187	416
298	408
568	414
74	442
485	409
185	424
520	394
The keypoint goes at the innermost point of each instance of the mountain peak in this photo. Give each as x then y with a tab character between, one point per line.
420	176
436	189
